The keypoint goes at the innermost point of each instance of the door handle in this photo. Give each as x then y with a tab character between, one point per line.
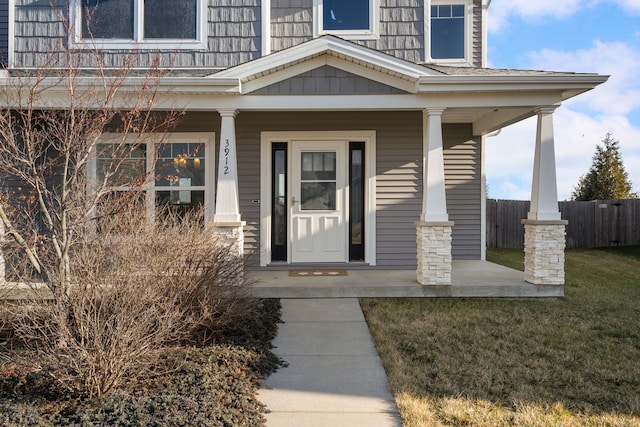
293	201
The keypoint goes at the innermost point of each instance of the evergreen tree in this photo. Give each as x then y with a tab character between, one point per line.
607	178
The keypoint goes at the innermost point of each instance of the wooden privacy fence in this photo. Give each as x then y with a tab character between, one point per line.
592	224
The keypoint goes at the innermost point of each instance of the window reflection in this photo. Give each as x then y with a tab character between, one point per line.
318	181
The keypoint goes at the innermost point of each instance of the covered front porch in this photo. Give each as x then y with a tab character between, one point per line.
469	279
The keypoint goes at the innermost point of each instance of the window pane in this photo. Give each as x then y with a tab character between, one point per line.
179	202
318	166
357	202
346	15
279	198
107	19
170	19
457	11
180	165
120	163
447	38
318	196
112	205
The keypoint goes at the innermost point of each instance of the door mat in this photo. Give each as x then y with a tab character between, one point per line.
316	272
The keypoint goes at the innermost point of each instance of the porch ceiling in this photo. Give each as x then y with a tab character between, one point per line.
487	119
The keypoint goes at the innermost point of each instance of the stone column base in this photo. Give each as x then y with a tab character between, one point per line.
232	234
434	252
544	243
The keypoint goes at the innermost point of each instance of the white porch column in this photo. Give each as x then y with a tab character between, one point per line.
544	229
433	231
227	219
544	192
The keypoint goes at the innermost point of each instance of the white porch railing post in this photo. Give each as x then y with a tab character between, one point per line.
227	220
433	231
544	229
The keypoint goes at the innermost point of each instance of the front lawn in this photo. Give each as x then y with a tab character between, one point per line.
566	362
209	386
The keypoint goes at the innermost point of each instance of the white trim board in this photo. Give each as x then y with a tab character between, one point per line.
267	138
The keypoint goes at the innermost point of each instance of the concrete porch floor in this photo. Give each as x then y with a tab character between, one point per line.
470	279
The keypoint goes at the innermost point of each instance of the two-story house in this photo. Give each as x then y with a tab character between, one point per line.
335	132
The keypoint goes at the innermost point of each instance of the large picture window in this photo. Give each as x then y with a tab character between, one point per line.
140	23
353	19
449	31
181	167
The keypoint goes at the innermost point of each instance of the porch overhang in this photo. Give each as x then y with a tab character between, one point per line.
487	98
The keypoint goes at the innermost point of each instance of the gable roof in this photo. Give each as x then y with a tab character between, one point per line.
404	75
332	51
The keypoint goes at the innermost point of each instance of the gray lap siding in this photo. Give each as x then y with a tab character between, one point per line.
398	170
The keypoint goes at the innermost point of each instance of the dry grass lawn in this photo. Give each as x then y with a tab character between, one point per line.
574	361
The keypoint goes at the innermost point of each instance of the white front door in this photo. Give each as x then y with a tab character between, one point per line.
318	225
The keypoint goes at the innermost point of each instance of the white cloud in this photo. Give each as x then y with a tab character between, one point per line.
621	93
581	122
509	156
630	5
501	11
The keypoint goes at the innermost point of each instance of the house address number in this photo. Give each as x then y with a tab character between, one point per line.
226	157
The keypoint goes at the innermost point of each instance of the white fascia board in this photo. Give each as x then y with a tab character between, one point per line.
571	85
325	45
166	84
207	102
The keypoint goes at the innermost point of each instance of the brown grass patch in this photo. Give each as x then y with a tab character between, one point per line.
573	361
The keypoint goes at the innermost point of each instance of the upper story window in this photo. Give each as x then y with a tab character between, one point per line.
152	24
449	31
352	19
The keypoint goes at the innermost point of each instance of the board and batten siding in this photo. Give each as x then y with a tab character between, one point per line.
234	37
399	177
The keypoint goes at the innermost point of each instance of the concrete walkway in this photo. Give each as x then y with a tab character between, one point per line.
335	377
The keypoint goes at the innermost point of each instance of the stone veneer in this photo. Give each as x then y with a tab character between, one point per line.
232	234
544	243
434	252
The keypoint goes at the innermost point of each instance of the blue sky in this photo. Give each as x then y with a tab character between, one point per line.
595	36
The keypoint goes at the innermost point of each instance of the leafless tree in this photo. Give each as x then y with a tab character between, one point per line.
119	287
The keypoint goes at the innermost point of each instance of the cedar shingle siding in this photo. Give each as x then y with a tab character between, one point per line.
4	32
234	32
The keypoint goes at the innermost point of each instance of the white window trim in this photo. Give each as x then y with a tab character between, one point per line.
206	138
77	42
373	33
468	37
266	141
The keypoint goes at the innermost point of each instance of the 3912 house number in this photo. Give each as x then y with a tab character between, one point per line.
226	157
